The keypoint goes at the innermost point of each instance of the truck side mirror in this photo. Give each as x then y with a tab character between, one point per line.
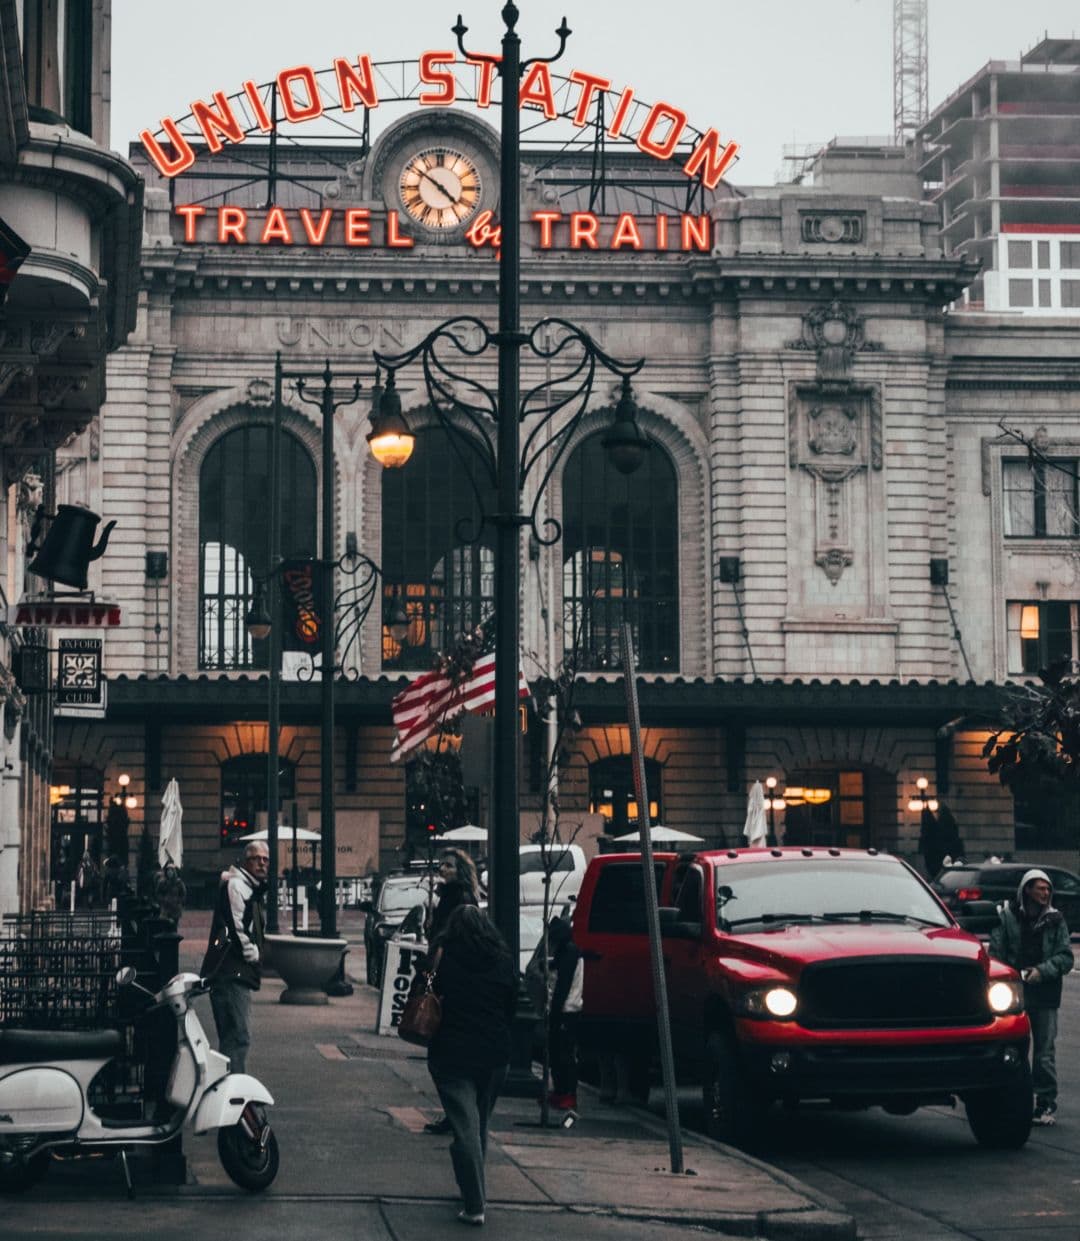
674	928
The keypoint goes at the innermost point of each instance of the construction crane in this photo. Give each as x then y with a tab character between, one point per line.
910	71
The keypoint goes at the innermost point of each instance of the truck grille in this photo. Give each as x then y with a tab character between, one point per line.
883	993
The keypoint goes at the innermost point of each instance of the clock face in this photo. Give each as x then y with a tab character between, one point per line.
440	187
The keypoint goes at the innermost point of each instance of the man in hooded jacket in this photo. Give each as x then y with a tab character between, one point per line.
1032	937
233	960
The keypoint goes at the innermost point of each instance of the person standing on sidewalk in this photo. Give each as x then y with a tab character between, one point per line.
233	960
458	885
477	983
1032	937
568	969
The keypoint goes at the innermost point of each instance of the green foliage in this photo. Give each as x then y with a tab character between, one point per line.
1041	733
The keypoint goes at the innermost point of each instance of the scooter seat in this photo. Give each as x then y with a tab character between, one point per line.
35	1046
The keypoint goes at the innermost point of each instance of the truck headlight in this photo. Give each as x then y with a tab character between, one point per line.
779	1002
1005	997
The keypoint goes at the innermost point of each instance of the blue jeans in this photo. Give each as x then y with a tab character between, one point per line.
230	1001
468	1097
1043	1066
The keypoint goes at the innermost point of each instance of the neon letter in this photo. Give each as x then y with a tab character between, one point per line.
661	232
361	84
231	222
695	233
276	228
626	232
358	226
487	76
662	150
621	109
589	86
258	107
294	111
536	90
210	121
190	214
707	154
429	72
546	220
583	226
173	162
315	235
393	238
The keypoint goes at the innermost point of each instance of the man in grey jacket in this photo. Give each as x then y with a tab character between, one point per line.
1032	937
233	961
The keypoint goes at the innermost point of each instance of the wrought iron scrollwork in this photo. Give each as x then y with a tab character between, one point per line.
551	410
352	604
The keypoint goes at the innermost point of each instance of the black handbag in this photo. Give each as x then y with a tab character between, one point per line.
422	1014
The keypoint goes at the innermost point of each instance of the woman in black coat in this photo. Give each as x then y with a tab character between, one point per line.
458	885
477	982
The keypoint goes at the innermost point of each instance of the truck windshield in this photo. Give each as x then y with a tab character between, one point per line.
751	894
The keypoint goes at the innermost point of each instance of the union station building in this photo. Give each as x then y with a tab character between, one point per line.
835	558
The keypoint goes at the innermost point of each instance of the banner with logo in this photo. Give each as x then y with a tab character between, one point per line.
301	601
80	686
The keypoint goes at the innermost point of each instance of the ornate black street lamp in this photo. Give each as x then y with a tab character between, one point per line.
341	619
486	430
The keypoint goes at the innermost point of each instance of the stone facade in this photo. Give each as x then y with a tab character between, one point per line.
831	427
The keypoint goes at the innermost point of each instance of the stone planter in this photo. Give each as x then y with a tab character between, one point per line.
306	965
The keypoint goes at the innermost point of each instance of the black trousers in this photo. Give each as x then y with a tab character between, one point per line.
563	1051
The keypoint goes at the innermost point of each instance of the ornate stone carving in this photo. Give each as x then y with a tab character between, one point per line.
846	228
834	561
11	371
832	430
46	335
835	333
30	495
259	392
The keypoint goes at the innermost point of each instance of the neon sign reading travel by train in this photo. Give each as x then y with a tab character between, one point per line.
219	123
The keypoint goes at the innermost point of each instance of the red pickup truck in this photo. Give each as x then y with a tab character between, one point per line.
804	974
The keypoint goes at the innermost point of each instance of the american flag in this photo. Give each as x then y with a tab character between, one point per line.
435	698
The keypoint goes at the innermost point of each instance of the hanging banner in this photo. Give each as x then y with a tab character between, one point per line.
301	596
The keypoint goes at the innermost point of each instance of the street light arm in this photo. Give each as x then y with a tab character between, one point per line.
549	439
564	32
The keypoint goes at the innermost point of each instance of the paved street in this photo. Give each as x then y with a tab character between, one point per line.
350	1106
923	1176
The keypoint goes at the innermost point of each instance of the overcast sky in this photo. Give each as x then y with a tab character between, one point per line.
764	72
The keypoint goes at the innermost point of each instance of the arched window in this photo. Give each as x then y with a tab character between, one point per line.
611	793
445	584
620	559
233	536
243	794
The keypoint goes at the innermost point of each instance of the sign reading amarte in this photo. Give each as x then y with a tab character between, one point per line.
657	133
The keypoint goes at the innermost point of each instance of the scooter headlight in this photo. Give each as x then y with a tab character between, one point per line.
1005	997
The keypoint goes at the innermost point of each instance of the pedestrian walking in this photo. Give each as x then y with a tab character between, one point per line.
233	960
477	982
1032	937
458	885
568	969
171	893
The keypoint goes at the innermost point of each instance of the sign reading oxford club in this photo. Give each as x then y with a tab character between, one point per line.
440	186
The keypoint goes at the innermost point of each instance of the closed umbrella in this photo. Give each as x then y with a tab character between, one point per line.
171	840
756	828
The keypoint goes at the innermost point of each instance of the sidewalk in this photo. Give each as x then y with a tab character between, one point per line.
349	1114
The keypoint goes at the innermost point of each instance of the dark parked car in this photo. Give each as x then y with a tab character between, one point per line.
397	896
973	890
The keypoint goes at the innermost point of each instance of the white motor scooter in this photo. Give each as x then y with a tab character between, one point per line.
46	1079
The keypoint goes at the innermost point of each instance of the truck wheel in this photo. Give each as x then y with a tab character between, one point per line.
1001	1118
733	1112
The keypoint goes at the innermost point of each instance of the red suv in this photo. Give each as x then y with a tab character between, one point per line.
798	974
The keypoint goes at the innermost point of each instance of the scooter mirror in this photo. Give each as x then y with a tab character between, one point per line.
125	977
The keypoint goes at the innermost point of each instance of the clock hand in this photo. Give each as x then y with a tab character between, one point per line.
440	187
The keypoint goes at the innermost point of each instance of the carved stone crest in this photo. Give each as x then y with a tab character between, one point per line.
835	333
832	430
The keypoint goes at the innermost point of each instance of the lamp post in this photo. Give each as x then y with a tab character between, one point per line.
469	413
774	803
341	617
922	799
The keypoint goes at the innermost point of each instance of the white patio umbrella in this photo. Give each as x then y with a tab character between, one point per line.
171	839
284	832
756	829
661	833
468	831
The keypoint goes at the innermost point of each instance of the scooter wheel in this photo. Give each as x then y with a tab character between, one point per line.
252	1167
18	1173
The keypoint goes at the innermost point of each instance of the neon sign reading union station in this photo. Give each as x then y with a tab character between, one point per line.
443	190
